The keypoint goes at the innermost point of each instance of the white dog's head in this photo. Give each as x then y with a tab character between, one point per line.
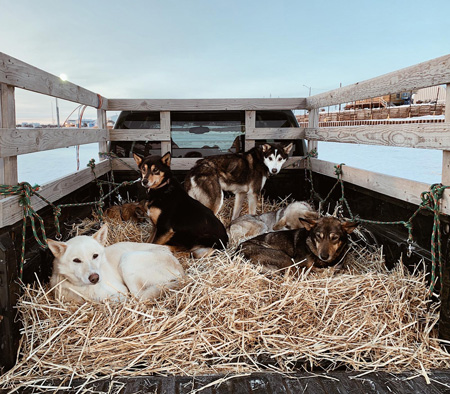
80	259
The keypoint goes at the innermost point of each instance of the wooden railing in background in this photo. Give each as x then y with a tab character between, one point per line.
17	74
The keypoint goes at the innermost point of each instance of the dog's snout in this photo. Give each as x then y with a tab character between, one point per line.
324	255
274	170
144	181
94	278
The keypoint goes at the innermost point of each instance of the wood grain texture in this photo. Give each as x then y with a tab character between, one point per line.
250	125
313	122
22	75
8	165
103	146
415	135
430	73
166	146
11	212
282	133
205	104
20	141
402	189
138	135
446	157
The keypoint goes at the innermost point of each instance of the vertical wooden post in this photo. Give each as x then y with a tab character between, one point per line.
250	125
444	320
8	165
166	146
446	153
103	147
313	122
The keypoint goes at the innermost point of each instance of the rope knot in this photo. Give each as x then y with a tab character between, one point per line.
338	169
91	164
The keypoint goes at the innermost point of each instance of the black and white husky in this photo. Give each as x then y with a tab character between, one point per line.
240	173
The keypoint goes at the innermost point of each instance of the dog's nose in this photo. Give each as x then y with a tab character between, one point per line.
274	170
144	181
324	256
94	278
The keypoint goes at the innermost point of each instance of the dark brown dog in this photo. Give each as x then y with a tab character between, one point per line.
321	244
132	211
181	221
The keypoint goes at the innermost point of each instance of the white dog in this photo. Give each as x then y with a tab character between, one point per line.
84	269
287	218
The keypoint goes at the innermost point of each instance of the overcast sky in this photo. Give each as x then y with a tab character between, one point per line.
212	49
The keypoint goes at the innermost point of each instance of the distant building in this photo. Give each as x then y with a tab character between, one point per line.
431	95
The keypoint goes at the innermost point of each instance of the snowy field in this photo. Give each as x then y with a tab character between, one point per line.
416	164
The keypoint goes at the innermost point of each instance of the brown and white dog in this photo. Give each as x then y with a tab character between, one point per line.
240	173
321	244
287	218
84	269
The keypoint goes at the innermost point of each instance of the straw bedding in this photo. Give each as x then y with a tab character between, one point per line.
230	317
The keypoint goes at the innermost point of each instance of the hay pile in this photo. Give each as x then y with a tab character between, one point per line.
230	317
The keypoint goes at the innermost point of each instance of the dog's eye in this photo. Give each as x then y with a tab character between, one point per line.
319	235
156	172
76	260
95	256
334	237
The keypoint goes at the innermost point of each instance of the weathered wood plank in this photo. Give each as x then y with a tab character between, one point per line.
102	123
284	133
446	157
205	104
414	135
313	122
430	73
22	75
166	146
250	125
138	135
8	165
402	189
20	141
11	212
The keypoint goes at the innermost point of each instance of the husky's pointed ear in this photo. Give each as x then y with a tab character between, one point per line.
166	159
56	247
307	223
137	159
101	236
348	227
281	223
265	147
287	148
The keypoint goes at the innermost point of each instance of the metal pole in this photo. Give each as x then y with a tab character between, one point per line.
57	113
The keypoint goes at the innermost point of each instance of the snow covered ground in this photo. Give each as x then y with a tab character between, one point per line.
416	164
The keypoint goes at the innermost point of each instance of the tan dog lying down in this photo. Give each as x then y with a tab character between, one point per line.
84	269
287	218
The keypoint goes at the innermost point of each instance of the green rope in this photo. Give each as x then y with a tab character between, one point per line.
430	200
25	191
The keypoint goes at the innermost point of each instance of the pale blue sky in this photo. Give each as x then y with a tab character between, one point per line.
211	49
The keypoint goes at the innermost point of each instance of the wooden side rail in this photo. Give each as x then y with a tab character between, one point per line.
16	73
20	141
400	188
431	73
414	135
11	212
205	104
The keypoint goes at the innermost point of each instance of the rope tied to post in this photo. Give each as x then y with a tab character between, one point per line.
430	200
25	191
